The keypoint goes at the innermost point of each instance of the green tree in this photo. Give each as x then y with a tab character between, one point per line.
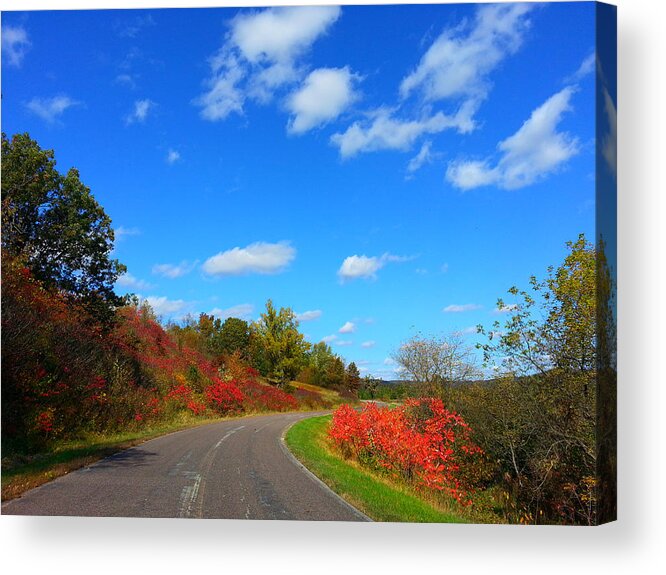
54	225
284	347
319	359
234	336
352	378
335	373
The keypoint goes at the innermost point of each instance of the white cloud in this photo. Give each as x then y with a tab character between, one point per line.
50	109
15	43
260	258
425	156
309	315
459	61
329	338
455	67
585	69
472	329
172	156
324	95
355	266
129	281
389	361
241	311
174	271
223	96
533	152
385	132
368	344
122	232
260	55
348	327
455	308
343	342
163	306
141	110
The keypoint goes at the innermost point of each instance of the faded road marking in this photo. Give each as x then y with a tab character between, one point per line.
228	434
189	495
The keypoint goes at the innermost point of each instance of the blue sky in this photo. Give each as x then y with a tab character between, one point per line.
381	170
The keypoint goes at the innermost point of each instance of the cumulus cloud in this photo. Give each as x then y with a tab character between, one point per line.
455	68
348	327
368	344
241	311
384	131
15	43
50	109
140	112
323	96
366	267
534	151
459	61
329	338
260	55
164	306
456	308
172	156
259	258
127	280
309	315
343	342
174	271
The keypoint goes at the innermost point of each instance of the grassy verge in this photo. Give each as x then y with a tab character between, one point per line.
373	495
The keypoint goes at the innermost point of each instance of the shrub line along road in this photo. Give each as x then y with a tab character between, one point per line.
234	469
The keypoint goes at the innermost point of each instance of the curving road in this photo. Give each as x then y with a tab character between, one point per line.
236	469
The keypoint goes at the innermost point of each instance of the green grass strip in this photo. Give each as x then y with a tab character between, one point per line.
374	497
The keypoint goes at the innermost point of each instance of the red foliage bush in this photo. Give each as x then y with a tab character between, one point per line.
260	397
421	442
224	397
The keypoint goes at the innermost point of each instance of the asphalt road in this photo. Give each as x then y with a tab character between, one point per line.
236	469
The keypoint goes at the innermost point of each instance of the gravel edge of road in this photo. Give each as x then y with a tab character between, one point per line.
362	516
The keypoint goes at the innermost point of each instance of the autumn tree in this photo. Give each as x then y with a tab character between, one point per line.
56	228
283	347
540	414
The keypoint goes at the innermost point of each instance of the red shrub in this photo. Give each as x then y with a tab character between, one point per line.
224	397
422	442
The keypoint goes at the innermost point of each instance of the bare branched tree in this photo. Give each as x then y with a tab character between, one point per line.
436	363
